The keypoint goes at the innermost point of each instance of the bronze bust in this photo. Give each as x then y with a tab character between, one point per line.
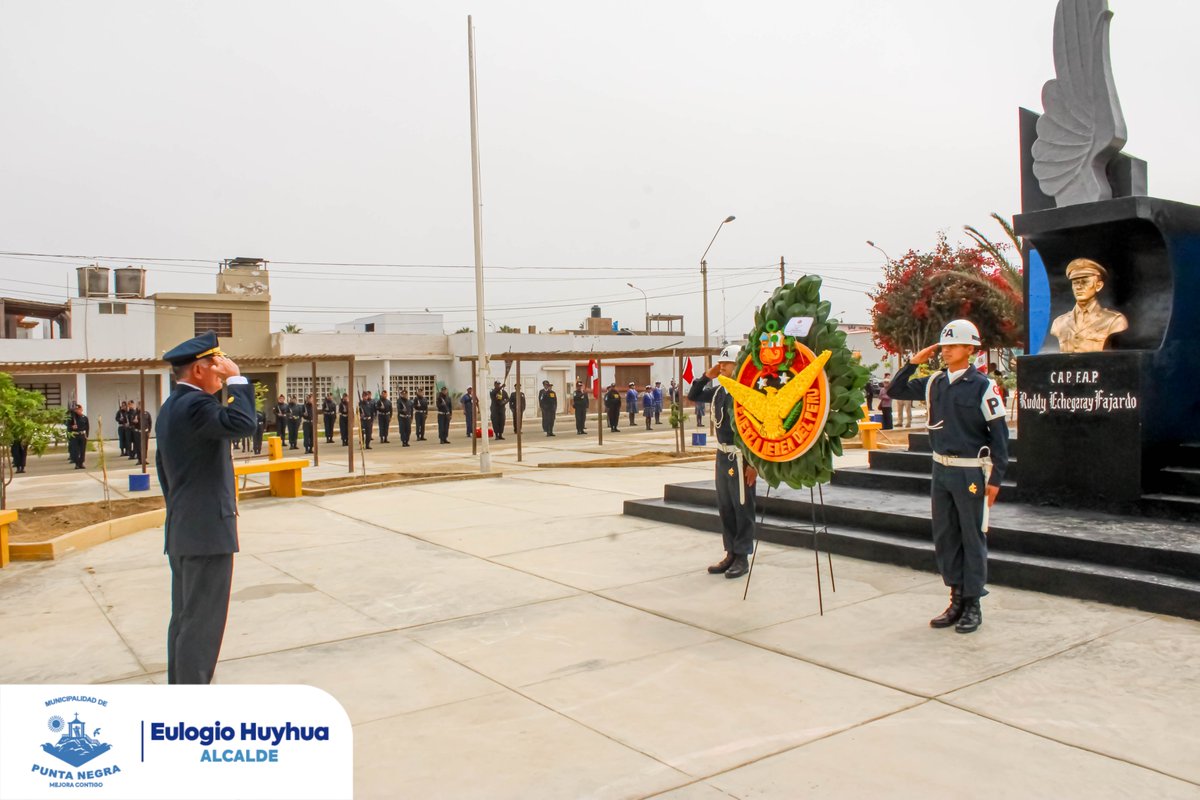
1086	327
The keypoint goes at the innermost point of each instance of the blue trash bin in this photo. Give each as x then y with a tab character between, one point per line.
699	439
877	418
139	482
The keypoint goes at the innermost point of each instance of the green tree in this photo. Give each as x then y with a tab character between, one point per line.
24	418
465	329
291	327
509	329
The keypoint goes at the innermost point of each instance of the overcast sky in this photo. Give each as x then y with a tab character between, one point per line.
614	140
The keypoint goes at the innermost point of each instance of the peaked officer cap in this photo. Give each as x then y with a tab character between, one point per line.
193	349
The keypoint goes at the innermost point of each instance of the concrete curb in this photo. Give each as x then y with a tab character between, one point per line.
466	476
90	536
609	464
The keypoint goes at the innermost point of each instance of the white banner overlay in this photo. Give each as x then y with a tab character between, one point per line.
174	743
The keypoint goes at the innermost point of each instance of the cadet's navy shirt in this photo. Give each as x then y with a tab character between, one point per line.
963	416
706	390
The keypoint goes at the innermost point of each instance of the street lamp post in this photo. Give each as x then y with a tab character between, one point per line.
647	302
880	249
704	287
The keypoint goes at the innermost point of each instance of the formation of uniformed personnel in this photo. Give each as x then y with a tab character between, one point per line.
344	418
969	437
499	398
516	406
282	410
469	408
295	413
366	412
78	428
579	402
123	427
306	416
612	405
420	409
548	406
734	477
631	402
328	414
195	472
404	411
383	409
445	410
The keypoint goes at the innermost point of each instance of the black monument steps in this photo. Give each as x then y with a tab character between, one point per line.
1171	506
1149	564
888	480
1188	455
1180	480
916	462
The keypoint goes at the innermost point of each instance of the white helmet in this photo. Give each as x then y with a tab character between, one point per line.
729	354
960	331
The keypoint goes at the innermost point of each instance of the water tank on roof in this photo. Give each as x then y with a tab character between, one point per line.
93	281
596	311
129	282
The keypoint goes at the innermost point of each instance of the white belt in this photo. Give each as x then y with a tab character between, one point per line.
735	452
958	461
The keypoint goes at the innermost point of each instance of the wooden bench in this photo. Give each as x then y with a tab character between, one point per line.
6	518
284	472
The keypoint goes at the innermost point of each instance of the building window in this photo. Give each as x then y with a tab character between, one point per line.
112	308
52	392
300	387
426	383
370	327
220	324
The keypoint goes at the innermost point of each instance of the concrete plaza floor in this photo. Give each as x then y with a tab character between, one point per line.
519	637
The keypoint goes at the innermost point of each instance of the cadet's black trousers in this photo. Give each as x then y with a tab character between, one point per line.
420	418
614	414
385	424
199	607
405	425
328	428
737	518
308	436
498	422
443	427
344	429
548	420
958	544
580	419
293	431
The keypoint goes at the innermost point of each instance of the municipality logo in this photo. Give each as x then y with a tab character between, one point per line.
74	746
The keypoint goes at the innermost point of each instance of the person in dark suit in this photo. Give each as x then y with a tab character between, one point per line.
78	429
283	409
548	406
134	415
499	397
366	415
195	471
122	427
344	418
306	415
445	410
295	412
328	412
420	408
384	409
579	403
404	416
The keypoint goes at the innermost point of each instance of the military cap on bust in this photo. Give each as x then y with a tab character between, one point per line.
1082	267
193	349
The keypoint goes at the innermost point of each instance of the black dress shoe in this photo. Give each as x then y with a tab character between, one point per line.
739	567
722	565
952	613
972	616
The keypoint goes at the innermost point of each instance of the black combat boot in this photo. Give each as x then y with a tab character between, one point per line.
722	565
953	611
739	567
972	616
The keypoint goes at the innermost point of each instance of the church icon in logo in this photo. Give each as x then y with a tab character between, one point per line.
75	747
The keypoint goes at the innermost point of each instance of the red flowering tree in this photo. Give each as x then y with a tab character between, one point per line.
921	292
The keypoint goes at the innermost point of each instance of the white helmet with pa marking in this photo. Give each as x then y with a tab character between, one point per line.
729	354
960	331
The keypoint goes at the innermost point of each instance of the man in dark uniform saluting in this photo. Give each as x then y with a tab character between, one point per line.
969	438
498	397
195	471
735	478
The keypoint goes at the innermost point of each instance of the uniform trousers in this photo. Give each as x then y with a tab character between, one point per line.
344	430
958	544
547	421
385	422
580	420
308	436
614	414
443	427
737	518
123	438
293	431
405	425
368	426
420	419
498	421
328	427
199	608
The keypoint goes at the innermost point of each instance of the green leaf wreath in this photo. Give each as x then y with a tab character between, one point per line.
845	376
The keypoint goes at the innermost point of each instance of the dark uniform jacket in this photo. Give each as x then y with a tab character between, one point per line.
282	411
366	409
548	400
706	390
195	467
420	405
580	400
384	407
963	416
514	399
444	405
344	408
499	397
403	407
612	399
328	407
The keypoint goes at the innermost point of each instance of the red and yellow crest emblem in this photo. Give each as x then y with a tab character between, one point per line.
780	412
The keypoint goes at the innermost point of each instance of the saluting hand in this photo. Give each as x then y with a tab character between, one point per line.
224	367
923	356
713	371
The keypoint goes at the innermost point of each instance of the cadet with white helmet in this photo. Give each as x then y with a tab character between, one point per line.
735	478
969	438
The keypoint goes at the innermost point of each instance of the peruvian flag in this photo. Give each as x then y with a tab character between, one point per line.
594	378
688	375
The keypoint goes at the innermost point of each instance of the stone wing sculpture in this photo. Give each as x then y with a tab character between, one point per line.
1082	127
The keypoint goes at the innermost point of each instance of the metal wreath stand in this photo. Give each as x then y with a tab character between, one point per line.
816	543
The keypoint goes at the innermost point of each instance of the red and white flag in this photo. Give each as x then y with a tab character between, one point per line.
688	375
594	378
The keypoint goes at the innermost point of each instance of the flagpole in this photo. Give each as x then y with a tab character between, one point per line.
481	364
